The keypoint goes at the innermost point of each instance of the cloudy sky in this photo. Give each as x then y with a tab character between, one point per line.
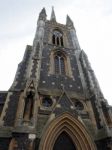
93	23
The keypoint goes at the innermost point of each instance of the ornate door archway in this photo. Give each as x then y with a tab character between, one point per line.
64	142
76	134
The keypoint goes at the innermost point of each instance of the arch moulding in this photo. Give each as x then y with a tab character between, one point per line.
73	127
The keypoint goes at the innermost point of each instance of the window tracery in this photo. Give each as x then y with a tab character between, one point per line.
59	62
57	38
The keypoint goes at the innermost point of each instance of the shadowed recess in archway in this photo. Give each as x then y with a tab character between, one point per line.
64	142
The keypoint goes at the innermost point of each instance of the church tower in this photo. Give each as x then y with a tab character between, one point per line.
55	102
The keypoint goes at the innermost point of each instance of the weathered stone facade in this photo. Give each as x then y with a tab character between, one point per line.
55	100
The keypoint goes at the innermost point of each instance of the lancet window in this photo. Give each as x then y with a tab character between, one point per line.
57	38
59	61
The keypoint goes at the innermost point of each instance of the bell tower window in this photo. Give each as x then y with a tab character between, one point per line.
57	38
59	61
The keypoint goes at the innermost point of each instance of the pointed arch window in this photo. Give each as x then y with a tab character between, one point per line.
57	38
59	61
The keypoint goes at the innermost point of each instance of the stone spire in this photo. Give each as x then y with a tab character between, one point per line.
53	17
42	15
69	22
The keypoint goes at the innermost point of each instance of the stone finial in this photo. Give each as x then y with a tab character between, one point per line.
53	17
42	15
69	22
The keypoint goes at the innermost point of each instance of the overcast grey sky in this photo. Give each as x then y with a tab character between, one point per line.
92	20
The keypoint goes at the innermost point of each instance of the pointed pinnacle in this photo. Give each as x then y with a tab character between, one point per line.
53	17
69	21
42	14
43	11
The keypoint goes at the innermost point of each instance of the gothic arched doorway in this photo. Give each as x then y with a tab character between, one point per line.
64	142
66	129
